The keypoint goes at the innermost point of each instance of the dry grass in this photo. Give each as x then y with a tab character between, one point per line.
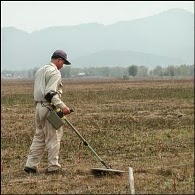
146	125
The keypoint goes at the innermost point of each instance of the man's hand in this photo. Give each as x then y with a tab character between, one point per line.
66	110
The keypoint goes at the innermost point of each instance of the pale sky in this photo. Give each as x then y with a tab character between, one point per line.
36	15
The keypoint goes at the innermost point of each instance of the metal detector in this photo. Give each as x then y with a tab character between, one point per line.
96	171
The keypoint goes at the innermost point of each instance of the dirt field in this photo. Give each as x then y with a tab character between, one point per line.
146	125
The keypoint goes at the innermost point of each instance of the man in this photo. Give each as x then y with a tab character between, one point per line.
47	82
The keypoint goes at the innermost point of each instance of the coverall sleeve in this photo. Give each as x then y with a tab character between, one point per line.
52	86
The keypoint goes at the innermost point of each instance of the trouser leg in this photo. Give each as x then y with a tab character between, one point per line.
36	149
38	144
52	141
45	136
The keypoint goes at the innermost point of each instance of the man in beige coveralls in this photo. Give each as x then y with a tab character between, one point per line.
47	80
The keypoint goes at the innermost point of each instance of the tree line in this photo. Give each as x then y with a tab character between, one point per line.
130	71
134	71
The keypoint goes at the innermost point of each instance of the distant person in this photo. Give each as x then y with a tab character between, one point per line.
47	83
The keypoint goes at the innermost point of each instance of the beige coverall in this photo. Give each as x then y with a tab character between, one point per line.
47	79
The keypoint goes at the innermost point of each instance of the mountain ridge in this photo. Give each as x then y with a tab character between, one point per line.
167	37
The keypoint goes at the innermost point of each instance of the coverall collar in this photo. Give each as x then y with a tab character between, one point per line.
52	64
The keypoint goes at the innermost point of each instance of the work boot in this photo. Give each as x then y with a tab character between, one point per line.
30	170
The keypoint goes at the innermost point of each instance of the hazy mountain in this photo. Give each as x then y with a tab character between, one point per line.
124	58
162	39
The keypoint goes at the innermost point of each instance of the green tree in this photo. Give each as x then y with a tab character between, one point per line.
132	70
171	71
